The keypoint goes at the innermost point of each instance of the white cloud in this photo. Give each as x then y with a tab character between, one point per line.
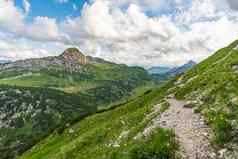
148	5
43	28
200	10
127	34
134	38
17	49
26	6
11	18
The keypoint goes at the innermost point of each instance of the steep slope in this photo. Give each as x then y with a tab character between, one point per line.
41	95
114	134
210	89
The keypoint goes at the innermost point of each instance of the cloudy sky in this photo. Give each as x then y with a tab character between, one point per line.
135	32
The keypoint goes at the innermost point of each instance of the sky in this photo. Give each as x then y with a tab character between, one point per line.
134	32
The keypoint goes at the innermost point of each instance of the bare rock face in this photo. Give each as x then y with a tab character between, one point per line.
74	56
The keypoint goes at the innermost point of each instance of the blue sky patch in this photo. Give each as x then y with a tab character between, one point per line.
54	9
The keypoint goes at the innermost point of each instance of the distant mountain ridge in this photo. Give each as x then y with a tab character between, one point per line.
164	73
4	61
71	59
183	68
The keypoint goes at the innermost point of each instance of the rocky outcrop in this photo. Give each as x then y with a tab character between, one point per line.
74	56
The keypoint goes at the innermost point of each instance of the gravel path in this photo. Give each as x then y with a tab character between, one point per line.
191	130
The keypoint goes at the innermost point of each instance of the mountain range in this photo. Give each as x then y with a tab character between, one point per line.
165	73
4	61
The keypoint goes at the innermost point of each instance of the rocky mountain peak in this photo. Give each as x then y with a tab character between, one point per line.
73	55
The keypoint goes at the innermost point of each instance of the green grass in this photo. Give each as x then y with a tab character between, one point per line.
35	80
64	98
110	135
90	74
160	145
215	85
57	109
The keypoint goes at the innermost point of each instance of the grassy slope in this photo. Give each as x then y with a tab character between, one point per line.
213	86
105	82
110	135
59	98
91	76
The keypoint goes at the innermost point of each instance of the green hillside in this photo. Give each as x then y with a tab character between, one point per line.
89	76
111	134
115	81
210	87
36	100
